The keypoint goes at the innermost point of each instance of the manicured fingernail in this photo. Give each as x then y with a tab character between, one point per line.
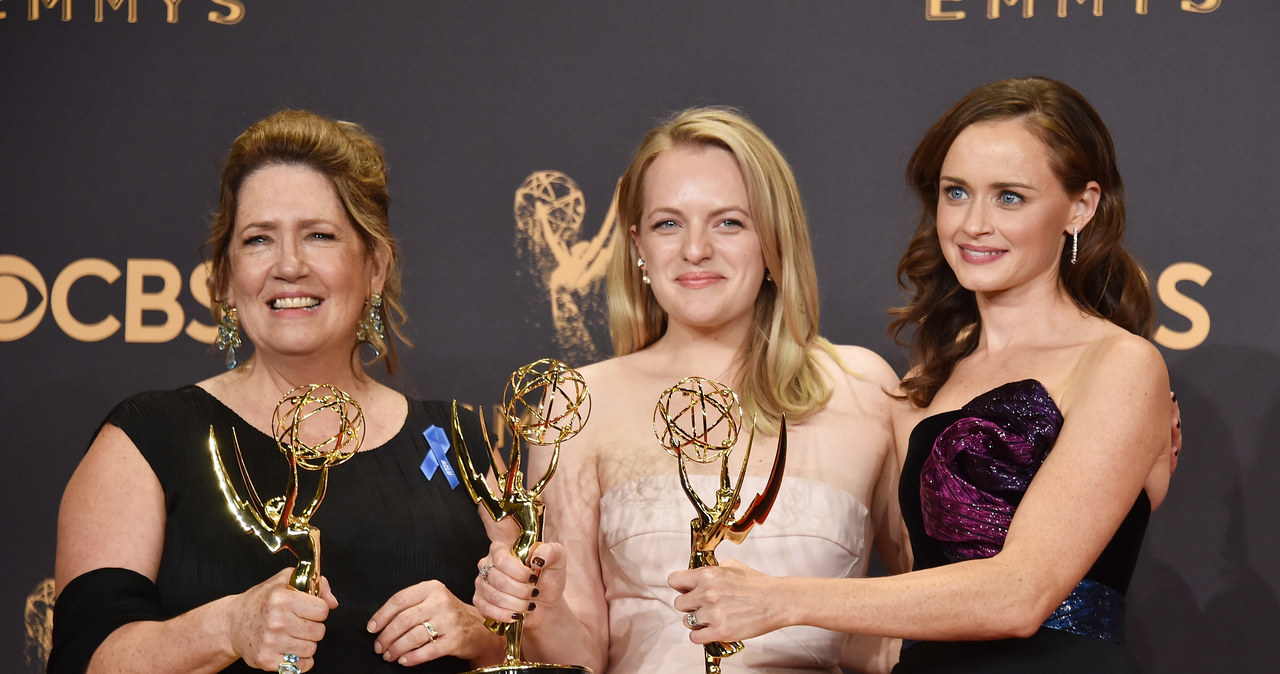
515	616
377	648
372	626
533	578
532	606
539	562
535	591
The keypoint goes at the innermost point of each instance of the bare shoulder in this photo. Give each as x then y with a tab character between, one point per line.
1118	371
1121	359
616	375
862	364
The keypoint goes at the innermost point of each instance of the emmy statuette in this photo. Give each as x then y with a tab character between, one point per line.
545	403
275	522
698	420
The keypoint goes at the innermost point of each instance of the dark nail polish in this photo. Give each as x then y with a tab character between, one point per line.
535	592
532	606
539	562
515	616
533	578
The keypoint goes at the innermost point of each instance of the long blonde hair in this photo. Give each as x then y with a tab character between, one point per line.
778	372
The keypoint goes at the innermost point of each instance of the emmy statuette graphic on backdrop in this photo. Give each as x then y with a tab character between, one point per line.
322	407
549	210
698	420
545	403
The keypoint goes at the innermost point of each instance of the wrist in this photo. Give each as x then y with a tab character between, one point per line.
222	619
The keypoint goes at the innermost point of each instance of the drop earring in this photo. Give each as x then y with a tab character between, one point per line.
229	333
644	273
370	328
1075	243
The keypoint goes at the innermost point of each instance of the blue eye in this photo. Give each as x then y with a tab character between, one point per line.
664	224
256	238
954	192
1010	198
730	222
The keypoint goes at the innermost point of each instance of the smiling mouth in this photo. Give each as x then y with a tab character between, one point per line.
295	303
979	254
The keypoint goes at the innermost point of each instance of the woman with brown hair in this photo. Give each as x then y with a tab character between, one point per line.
713	276
1034	430
155	574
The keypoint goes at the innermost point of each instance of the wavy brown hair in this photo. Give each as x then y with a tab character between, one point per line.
352	161
941	317
778	372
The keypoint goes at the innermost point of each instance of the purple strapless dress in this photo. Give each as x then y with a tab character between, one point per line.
965	475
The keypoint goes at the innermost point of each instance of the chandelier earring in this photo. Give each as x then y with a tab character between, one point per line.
1075	243
229	333
644	273
370	328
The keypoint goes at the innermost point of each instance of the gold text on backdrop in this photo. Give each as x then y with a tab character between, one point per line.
954	10
1167	292
25	299
232	11
18	318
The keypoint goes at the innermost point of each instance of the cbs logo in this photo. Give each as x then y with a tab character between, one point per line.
18	318
25	299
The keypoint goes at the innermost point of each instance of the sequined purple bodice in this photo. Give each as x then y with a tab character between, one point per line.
974	465
981	465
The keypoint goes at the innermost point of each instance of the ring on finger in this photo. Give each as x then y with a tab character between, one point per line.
290	664
484	571
432	634
691	621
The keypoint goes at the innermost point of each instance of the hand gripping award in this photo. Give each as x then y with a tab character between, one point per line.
698	420
334	431
544	403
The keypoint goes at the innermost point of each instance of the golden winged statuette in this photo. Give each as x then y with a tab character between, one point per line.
333	433
545	403
698	420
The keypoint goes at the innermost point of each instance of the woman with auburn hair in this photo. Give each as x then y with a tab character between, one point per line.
712	277
156	575
1033	430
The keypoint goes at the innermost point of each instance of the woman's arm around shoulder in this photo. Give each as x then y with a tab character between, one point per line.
113	517
1116	414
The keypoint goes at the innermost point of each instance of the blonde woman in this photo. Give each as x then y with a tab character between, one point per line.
713	277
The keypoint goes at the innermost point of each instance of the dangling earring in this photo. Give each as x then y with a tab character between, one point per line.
644	273
229	333
1075	243
370	326
768	277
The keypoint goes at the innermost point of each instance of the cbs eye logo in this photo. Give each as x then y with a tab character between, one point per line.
24	300
17	279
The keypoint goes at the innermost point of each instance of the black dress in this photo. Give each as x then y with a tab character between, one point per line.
384	525
964	475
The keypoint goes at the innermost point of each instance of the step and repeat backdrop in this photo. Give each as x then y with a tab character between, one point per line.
506	126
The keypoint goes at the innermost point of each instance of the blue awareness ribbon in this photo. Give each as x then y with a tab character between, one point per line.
438	455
